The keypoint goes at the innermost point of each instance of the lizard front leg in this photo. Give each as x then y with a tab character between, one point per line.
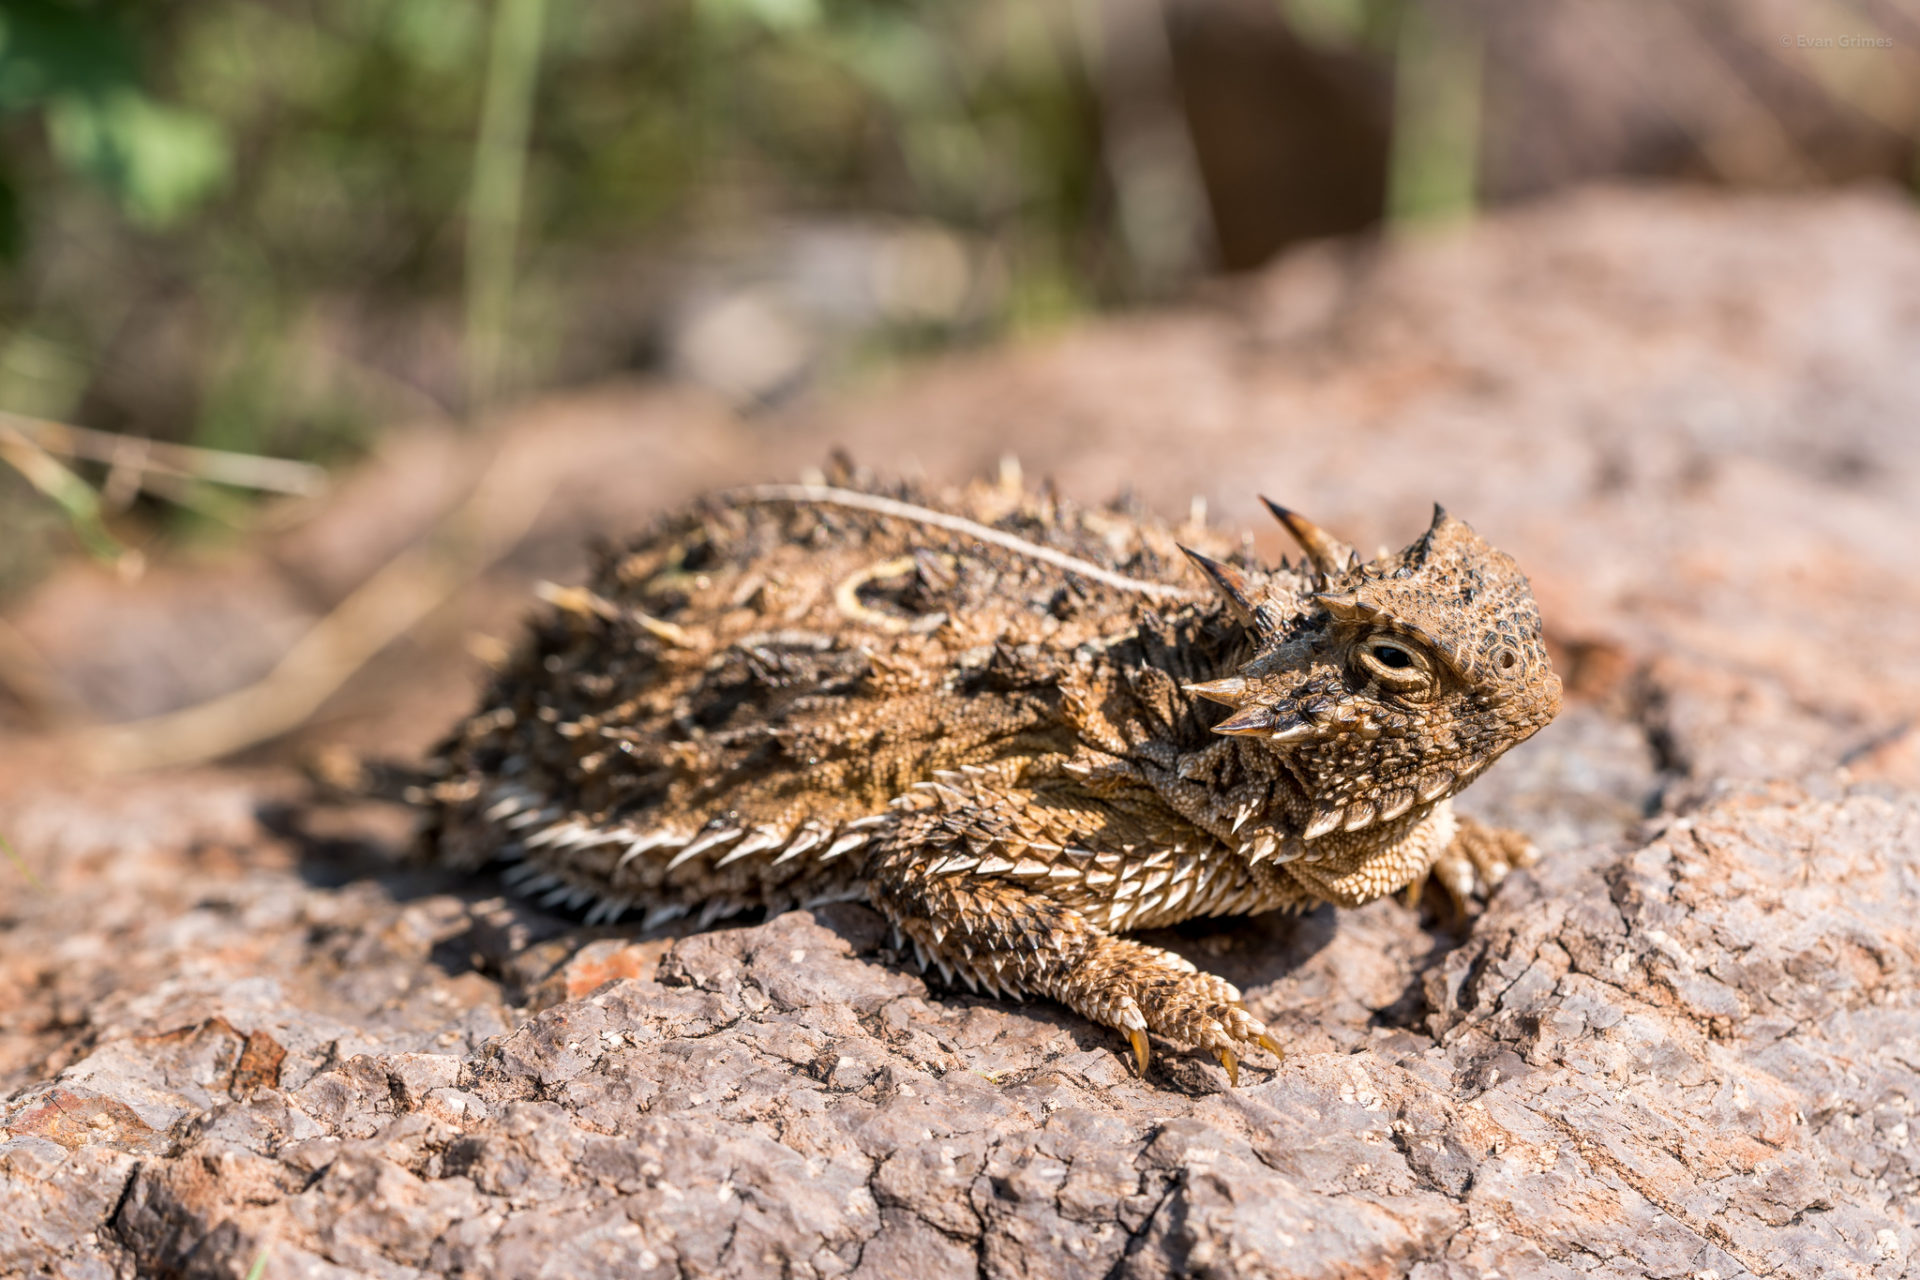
980	892
1478	858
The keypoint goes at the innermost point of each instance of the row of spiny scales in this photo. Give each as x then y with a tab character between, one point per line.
1162	886
1133	886
534	828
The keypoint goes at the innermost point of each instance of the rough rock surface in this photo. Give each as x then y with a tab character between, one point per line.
238	1033
1698	1054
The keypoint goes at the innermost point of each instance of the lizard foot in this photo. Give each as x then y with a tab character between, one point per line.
1014	939
1141	989
1477	860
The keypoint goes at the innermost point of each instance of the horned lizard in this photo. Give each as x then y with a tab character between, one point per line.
1009	725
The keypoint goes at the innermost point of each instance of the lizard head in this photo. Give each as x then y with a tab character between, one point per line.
1388	684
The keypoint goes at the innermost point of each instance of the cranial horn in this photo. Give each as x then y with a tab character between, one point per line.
1231	690
1254	720
1328	553
1347	606
1229	582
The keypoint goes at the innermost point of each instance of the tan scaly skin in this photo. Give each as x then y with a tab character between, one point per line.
1010	726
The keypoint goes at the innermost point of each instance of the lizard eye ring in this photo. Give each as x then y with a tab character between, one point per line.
1392	655
1393	662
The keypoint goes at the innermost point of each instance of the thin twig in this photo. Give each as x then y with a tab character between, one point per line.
826	495
186	462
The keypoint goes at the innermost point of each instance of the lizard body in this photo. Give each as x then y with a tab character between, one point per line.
1013	726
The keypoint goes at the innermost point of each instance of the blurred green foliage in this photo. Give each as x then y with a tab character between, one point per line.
272	226
78	69
244	223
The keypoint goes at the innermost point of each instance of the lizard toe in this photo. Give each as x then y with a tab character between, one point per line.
1205	1012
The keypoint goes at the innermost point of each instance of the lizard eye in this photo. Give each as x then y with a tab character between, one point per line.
1394	663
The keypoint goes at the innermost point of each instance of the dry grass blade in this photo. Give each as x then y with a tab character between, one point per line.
69	492
179	461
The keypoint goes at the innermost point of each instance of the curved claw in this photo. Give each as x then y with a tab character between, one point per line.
1232	1064
1266	1041
1416	890
1139	1039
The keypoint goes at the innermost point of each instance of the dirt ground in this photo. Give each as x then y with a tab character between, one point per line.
234	1028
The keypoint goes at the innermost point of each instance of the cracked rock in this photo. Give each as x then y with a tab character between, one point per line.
1695	1052
239	1034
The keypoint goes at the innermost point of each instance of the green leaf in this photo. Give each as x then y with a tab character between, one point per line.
160	162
